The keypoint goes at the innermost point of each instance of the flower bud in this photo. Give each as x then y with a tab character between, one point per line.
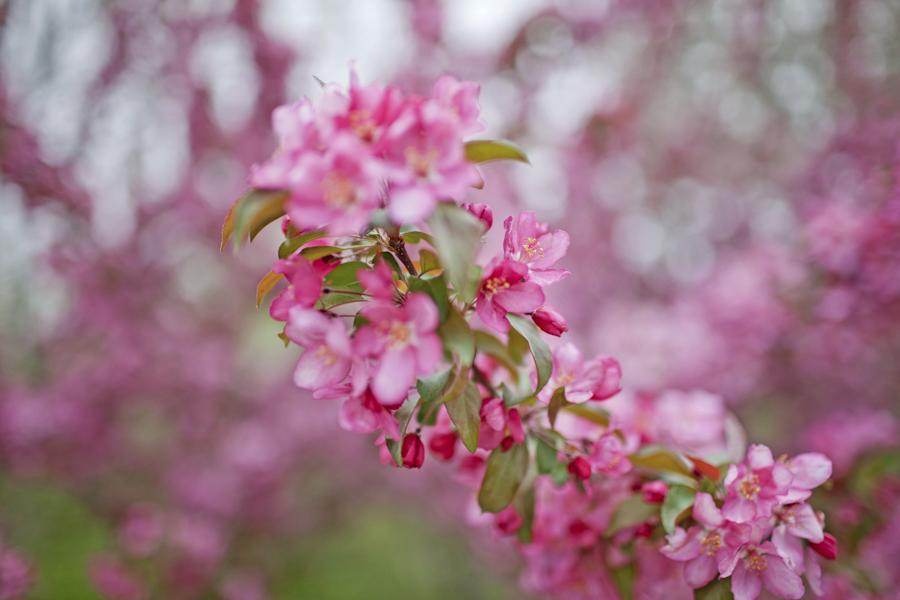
443	445
508	520
413	452
482	211
654	492
643	530
611	383
827	547
507	443
580	468
550	322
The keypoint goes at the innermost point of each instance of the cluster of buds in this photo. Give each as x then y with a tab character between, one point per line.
398	321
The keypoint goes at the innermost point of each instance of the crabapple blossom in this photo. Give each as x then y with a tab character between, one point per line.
595	379
482	211
305	286
754	487
527	241
329	352
503	291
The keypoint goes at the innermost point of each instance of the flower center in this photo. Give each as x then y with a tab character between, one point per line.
789	516
363	124
565	377
338	190
420	163
532	247
396	335
750	486
756	564
712	542
325	353
494	285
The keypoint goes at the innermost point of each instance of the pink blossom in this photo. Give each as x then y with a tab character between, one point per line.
845	435
413	451
754	487
496	421
304	288
114	582
363	414
810	470
550	321
378	282
761	565
527	241
16	575
328	352
655	492
366	111
508	521
481	211
405	343
459	99
608	456
503	290
595	379
142	530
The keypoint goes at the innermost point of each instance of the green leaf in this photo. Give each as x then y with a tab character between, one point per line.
560	474
632	511
465	412
518	346
342	279
556	403
717	589
290	246
388	258
624	578
256	209
431	387
490	345
414	237
315	252
547	457
473	280
510	399
678	500
487	150
524	504
266	285
436	288
458	337
543	357
591	413
403	415
457	233
428	261
502	476
458	385
657	458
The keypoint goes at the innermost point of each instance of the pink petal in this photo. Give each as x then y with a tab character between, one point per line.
555	245
491	315
520	298
744	584
547	277
421	310
780	579
514	422
810	470
759	457
318	367
804	523
394	375
706	512
684	545
356	418
411	204
789	548
738	508
701	570
429	353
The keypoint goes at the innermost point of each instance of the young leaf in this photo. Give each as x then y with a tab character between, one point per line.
343	278
660	459
711	471
457	233
717	589
428	261
266	285
228	225
590	413
388	258
525	506
518	346
403	415
314	252
458	385
487	150
414	237
290	246
547	457
556	403
257	209
502	476
679	499
488	344
543	357
465	412
632	511
560	474
458	337
510	399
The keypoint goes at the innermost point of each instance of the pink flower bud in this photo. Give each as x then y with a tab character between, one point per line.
482	211
826	548
580	468
443	445
550	321
507	443
654	492
508	521
643	531
413	452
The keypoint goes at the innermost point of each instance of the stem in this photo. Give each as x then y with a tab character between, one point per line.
397	244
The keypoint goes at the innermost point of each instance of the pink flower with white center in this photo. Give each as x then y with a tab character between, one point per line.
305	286
405	343
460	99
328	348
426	157
503	291
810	470
496	420
706	546
754	487
364	414
527	241
338	190
608	456
366	111
756	565
595	379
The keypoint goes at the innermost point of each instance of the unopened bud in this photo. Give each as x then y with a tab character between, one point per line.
643	531
550	322
580	468
508	520
654	492
827	547
413	452
482	211
443	445
507	443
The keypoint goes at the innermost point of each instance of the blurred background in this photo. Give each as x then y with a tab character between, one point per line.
727	171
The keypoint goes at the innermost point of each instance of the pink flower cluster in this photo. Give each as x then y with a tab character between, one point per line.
371	147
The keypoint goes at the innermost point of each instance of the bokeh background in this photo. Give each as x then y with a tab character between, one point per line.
727	171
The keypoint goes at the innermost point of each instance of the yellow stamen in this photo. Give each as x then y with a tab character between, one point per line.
756	564
420	163
750	486
338	190
712	542
494	285
532	247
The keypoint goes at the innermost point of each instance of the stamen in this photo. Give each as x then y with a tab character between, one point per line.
494	285
338	190
750	486
532	247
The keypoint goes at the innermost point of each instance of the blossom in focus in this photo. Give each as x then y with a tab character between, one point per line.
527	241
754	487
503	290
496	421
404	342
